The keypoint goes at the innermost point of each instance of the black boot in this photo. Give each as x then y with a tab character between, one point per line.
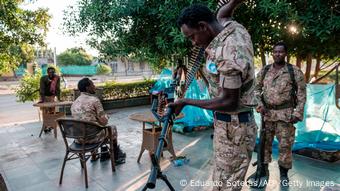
284	180
119	155
260	178
104	153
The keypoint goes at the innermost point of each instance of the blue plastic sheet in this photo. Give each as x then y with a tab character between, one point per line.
193	116
320	128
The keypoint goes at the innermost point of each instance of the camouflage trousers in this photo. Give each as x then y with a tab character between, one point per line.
233	146
285	134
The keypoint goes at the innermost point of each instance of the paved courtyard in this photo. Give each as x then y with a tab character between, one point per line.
30	163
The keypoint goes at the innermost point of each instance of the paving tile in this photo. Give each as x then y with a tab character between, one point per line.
30	163
21	171
22	181
47	185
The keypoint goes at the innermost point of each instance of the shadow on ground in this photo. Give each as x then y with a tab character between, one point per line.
31	163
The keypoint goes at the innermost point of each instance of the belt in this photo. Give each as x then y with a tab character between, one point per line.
243	117
278	107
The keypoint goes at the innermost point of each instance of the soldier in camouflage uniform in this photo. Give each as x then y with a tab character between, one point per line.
88	107
281	102
229	70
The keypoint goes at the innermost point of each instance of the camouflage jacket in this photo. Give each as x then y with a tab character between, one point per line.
230	64
276	90
87	107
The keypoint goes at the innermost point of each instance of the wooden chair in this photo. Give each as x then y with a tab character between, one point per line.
84	130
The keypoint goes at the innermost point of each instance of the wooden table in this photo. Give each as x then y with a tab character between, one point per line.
151	135
48	117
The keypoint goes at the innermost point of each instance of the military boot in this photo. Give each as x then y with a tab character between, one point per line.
260	178
284	180
104	153
119	155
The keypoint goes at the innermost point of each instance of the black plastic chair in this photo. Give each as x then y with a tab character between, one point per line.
73	129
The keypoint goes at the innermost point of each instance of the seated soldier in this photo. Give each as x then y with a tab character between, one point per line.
88	107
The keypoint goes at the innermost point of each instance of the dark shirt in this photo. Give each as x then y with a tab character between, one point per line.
45	86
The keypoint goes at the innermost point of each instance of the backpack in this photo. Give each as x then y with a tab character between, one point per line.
292	77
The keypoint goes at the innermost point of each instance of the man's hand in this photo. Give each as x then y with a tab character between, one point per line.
226	11
103	119
262	110
294	119
177	106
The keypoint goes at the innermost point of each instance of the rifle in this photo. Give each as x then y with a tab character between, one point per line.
259	179
197	54
167	121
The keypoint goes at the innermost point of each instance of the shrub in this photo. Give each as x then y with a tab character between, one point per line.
103	69
113	90
66	95
126	90
28	89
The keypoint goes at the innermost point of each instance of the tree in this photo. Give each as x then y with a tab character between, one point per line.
19	30
319	23
129	28
147	29
74	56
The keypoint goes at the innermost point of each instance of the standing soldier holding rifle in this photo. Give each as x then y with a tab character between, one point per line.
281	95
229	70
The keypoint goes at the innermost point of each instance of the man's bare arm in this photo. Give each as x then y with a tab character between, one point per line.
226	11
227	102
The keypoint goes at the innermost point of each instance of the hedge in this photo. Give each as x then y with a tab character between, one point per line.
116	91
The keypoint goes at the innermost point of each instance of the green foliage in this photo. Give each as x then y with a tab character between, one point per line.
316	22
113	90
144	30
66	95
74	56
147	30
103	69
28	89
19	30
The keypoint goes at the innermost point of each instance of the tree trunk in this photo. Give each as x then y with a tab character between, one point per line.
298	61
288	59
126	64
14	74
263	57
308	67
317	66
